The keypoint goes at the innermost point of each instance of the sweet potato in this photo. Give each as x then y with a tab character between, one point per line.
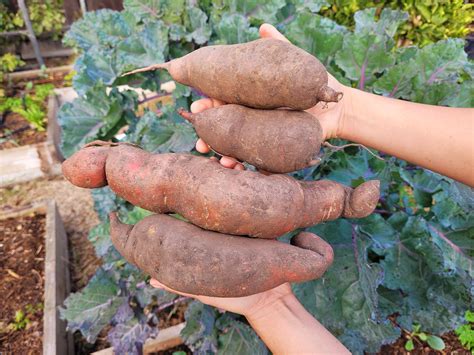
214	197
277	141
190	259
266	73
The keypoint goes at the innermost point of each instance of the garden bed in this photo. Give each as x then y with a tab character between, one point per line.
33	252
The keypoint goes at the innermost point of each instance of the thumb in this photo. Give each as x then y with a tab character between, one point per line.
269	31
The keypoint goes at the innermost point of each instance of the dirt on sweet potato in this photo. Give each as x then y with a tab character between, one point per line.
189	259
277	141
265	73
213	197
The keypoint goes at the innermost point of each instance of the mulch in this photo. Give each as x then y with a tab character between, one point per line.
22	254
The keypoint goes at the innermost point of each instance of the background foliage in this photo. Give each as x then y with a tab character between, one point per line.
45	16
412	258
429	21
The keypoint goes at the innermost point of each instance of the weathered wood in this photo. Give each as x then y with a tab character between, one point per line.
167	338
93	5
56	340
48	48
31	33
20	164
54	131
29	74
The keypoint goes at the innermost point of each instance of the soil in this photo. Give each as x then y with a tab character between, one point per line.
16	131
453	346
77	211
22	254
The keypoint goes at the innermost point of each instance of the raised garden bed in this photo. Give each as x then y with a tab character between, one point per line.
34	254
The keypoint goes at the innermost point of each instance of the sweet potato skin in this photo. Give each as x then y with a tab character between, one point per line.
192	260
225	200
277	141
265	73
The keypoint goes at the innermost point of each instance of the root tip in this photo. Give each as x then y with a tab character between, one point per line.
188	116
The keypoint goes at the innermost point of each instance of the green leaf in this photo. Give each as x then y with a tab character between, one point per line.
93	116
435	343
461	96
409	346
238	338
235	28
147	10
433	278
146	47
198	28
345	299
106	201
422	336
256	11
439	65
311	5
388	23
99	236
91	309
199	332
156	134
364	55
104	28
136	215
319	36
397	81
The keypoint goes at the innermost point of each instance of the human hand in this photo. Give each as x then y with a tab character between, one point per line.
246	306
330	115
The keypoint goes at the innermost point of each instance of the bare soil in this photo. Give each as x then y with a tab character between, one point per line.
22	253
77	211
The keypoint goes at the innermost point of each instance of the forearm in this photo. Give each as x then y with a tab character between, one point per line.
287	328
437	138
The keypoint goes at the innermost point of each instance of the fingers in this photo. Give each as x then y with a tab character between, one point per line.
204	104
268	31
157	284
227	162
202	147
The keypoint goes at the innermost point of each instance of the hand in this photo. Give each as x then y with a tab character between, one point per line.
330	115
247	306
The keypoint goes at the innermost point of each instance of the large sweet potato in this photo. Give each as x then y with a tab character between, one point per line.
277	141
265	73
214	197
189	259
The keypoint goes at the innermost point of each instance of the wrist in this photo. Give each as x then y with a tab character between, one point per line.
271	308
346	126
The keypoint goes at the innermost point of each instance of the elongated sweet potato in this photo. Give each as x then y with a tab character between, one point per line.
190	259
266	73
278	141
214	197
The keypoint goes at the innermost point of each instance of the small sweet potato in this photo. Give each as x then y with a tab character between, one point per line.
190	259
214	197
265	73
277	141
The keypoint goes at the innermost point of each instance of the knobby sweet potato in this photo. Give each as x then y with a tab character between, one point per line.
277	141
265	73
214	197
190	259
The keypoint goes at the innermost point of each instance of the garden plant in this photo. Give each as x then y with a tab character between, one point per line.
408	263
